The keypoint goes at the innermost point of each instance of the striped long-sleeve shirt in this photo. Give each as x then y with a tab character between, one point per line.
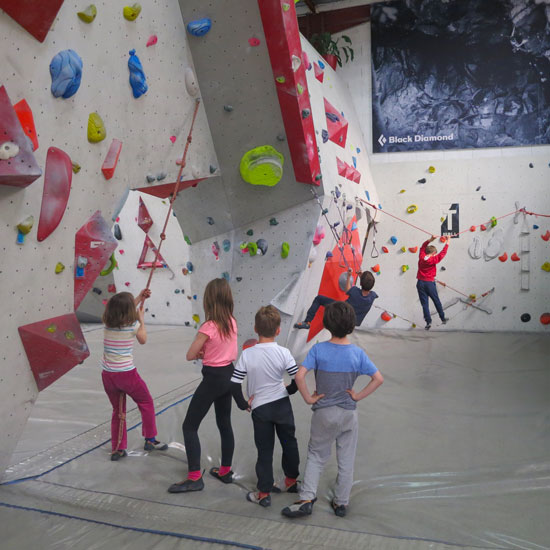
118	348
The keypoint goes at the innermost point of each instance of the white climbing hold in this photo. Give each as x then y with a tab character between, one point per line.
476	249
191	82
296	62
8	150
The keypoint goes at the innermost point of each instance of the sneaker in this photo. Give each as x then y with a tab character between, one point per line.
444	321
187	486
226	478
306	325
428	326
255	497
299	509
117	455
294	488
154	446
339	509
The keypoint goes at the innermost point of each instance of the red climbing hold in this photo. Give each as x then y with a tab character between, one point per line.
337	125
109	165
515	258
546	236
319	73
483	227
385	250
545	318
111	288
35	17
53	347
503	258
148	244
385	316
18	168
413	249
24	114
144	219
472	228
376	268
254	42
57	188
342	167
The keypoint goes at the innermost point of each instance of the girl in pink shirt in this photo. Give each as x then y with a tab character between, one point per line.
216	345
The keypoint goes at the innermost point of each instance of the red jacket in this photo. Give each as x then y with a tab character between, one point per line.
426	266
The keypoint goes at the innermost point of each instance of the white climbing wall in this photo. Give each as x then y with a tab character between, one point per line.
503	177
31	290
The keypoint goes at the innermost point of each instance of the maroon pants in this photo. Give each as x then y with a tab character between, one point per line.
117	385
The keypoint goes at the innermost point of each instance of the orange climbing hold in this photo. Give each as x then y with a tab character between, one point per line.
385	316
24	114
503	258
413	249
546	236
376	268
515	258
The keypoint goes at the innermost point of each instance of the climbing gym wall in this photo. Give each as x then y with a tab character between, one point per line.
39	277
496	276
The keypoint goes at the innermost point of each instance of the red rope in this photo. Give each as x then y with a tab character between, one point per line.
174	193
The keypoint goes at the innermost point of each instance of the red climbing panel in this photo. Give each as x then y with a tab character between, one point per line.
342	167
24	114
334	267
283	44
149	245
109	165
36	17
95	243
22	169
53	347
57	188
165	190
337	125
144	218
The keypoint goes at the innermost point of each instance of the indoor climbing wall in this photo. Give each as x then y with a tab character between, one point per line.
86	63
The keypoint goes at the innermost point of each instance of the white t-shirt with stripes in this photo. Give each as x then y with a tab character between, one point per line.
264	366
118	348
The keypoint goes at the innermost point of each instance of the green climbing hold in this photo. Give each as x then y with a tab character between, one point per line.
96	128
299	89
281	79
262	166
250	232
88	15
69	334
286	6
273	221
131	12
493	221
59	268
52	328
252	248
76	167
187	240
110	267
285	247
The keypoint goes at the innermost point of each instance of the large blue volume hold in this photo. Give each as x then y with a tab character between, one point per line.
66	72
137	76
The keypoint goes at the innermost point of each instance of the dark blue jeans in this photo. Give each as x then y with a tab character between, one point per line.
427	289
317	303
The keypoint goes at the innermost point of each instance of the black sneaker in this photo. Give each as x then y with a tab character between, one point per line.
255	497
187	486
428	326
299	509
117	455
444	321
155	446
339	509
226	478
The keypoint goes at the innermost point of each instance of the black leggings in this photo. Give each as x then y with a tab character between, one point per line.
214	388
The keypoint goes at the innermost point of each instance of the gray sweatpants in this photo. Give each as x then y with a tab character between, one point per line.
330	424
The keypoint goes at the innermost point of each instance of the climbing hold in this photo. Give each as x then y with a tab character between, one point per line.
191	84
75	167
111	160
478	187
483	227
403	249
299	89
385	250
117	232
305	113
442	219
472	297
96	128
121	251
531	165
189	267
210	221
324	135
385	316
431	169
225	275
515	258
393	240
243	247
324	212
254	41
546	267
472	228
199	27
483	198
376	268
328	255
228	108
112	264
150	178
404	268
273	221
535	226
285	248
161	176
413	249
24	228
412	209
98	291
494	246
152	40
250	232
503	258
319	235
442	239
177	291
66	73
238	279
187	240
226	245
173	139
51	328
59	267
216	249
262	246
262	166
138	82
493	221
367	194
196	318
212	168
525	318
545	318
286	7
81	263
131	13
185	271
88	15
423	180
280	79
546	236
281	137
252	248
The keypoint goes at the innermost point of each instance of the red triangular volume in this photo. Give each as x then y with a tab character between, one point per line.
144	219
19	169
94	243
342	167
337	125
24	114
149	245
319	73
53	347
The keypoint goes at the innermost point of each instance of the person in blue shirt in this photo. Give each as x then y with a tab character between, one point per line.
360	299
337	364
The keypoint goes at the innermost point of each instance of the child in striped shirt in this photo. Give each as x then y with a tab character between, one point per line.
123	319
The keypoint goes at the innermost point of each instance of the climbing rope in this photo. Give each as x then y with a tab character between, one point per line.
395	315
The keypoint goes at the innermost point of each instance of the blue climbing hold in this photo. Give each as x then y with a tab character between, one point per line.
321	64
189	267
393	240
66	72
137	76
226	245
353	226
337	192
225	275
329	255
324	135
358	150
368	196
354	162
379	207
199	27
349	207
332	117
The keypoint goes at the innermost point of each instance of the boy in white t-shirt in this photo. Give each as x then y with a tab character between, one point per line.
265	365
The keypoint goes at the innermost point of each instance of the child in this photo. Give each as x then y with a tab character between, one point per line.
360	299
119	374
265	364
337	363
216	345
428	258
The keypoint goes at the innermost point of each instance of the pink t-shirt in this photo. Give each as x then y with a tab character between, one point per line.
219	352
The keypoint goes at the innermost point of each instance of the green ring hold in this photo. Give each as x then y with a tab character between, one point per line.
112	265
262	166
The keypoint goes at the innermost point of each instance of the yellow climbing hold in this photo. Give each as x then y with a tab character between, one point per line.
262	166
96	128
59	267
402	191
69	334
546	266
472	297
52	328
25	226
431	169
403	249
196	318
76	167
404	268
88	15
131	12
412	208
